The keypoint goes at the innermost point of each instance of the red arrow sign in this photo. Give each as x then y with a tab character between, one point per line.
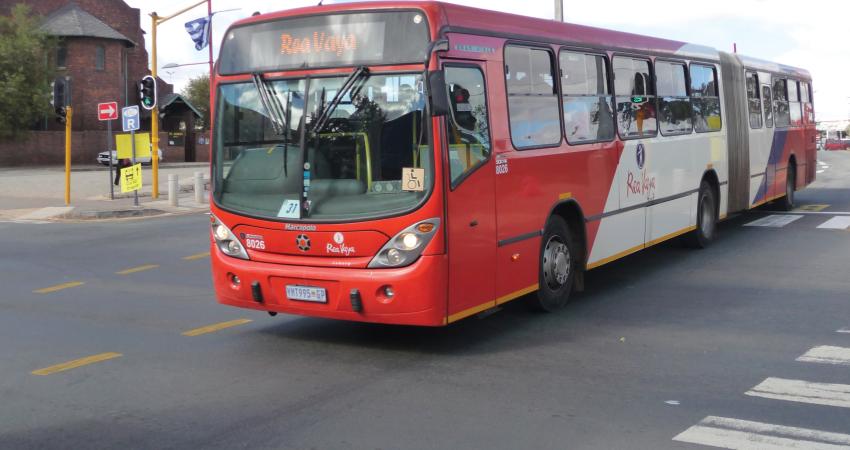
107	111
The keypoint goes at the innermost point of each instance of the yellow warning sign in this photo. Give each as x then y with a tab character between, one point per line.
131	178
124	145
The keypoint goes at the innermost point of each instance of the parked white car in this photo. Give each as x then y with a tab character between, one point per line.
104	159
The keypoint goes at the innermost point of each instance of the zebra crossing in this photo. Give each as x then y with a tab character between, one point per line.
732	433
823	220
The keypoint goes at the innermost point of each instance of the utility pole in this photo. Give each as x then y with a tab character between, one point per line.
559	10
155	21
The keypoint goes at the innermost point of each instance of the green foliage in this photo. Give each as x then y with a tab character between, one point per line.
25	72
197	92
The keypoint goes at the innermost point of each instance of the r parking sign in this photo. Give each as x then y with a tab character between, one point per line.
130	118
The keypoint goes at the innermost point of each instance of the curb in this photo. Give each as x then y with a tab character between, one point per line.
111	214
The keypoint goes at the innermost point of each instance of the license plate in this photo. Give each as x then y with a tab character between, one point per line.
306	293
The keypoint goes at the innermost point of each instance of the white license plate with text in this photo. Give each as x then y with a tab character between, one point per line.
306	293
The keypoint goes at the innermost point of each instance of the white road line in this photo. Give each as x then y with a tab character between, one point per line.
836	223
813	213
744	434
843	330
774	221
827	354
803	392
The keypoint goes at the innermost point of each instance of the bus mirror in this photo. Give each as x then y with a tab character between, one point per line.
438	97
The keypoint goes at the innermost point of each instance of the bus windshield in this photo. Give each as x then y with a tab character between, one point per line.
350	168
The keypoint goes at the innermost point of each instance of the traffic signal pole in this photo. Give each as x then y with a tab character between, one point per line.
69	111
155	21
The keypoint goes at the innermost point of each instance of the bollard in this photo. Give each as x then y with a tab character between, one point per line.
199	188
173	189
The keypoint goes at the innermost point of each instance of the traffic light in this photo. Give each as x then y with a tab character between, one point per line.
147	92
61	114
61	97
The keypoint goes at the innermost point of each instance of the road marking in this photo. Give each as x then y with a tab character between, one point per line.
58	287
774	221
813	213
803	392
196	256
137	269
820	171
836	223
843	330
216	327
744	434
76	363
827	354
819	207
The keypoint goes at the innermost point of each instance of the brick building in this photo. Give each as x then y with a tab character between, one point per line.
102	51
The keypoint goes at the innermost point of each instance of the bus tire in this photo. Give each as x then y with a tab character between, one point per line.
557	268
786	203
706	230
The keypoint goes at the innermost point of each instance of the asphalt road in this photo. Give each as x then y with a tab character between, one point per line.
660	341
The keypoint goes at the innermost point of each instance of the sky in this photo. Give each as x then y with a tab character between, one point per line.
814	35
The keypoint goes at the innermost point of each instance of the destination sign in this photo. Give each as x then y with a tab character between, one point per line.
337	40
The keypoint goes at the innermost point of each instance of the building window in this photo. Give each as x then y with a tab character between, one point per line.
705	98
100	58
753	100
532	97
61	55
588	112
674	106
635	98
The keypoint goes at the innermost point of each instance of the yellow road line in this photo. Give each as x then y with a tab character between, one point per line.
137	269
76	363
196	256
814	208
216	327
58	287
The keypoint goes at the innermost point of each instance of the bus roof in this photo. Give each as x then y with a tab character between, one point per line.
451	17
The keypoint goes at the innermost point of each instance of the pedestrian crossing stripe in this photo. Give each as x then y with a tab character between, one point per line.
836	223
827	354
744	434
801	391
774	220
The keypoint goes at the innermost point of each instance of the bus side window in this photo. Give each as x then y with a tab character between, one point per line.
705	98
768	107
635	98
753	100
468	132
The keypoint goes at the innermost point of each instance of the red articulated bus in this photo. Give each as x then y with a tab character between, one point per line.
421	162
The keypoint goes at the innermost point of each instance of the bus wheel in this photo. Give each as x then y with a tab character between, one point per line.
787	202
706	229
557	266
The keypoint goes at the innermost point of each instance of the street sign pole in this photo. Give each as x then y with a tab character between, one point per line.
109	152
70	112
133	140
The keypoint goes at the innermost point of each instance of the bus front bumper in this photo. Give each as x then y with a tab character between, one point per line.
418	290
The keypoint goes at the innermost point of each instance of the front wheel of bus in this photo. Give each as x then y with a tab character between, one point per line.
557	267
706	229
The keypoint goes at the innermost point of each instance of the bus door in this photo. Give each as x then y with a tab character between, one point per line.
471	219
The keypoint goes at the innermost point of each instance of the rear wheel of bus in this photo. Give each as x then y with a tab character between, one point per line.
558	265
706	230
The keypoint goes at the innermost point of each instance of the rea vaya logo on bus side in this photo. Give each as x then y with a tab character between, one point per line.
640	183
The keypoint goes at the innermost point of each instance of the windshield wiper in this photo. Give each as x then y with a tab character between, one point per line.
272	105
325	113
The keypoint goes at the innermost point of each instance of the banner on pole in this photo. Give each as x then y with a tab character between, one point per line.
131	178
124	145
199	31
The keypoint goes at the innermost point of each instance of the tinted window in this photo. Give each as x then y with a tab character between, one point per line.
532	97
588	112
100	57
674	106
705	98
794	105
780	103
753	100
768	110
635	98
468	131
61	55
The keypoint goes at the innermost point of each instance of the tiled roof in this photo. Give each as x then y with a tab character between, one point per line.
73	21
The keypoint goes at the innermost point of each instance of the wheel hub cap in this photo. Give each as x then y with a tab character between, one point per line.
556	263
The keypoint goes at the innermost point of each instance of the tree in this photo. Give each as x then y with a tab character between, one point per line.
197	92
25	72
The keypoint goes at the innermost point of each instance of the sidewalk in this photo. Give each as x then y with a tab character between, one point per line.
37	194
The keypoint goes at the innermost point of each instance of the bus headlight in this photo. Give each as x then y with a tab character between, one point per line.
405	248
226	241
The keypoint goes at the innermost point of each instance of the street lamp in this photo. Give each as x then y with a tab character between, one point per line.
173	65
